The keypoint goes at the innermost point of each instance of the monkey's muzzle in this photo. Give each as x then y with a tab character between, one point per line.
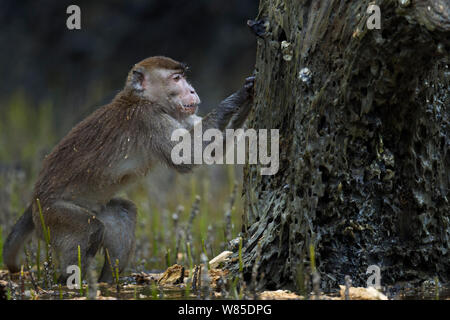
189	108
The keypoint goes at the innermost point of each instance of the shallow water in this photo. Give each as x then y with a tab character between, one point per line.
148	292
131	288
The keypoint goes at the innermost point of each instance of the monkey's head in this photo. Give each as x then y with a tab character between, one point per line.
162	81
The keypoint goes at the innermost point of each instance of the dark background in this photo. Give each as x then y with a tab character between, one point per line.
79	70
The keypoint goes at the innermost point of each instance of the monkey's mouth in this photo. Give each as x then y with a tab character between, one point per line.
189	108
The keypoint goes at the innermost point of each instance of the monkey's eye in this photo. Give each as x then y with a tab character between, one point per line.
177	77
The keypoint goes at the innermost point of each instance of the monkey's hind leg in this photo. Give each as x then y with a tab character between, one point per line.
119	218
71	226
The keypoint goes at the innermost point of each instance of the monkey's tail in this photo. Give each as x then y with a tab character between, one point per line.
19	235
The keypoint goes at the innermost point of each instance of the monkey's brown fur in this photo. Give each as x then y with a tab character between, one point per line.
113	147
126	126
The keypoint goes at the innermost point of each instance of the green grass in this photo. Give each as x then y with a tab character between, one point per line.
26	131
79	268
155	230
1	246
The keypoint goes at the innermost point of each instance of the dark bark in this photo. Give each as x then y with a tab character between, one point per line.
364	146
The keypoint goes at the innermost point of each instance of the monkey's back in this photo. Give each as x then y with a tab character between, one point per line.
85	162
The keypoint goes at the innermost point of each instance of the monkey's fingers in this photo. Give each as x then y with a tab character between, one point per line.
250	79
258	27
249	84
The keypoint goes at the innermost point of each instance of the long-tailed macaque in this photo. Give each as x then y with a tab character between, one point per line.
113	147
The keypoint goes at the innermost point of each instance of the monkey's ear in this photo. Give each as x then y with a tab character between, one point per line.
137	80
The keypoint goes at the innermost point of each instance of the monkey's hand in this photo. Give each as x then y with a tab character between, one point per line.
238	105
248	89
245	106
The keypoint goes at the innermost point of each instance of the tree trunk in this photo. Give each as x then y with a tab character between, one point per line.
363	118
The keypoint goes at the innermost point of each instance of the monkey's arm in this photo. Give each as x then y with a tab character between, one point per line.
231	112
239	118
236	108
